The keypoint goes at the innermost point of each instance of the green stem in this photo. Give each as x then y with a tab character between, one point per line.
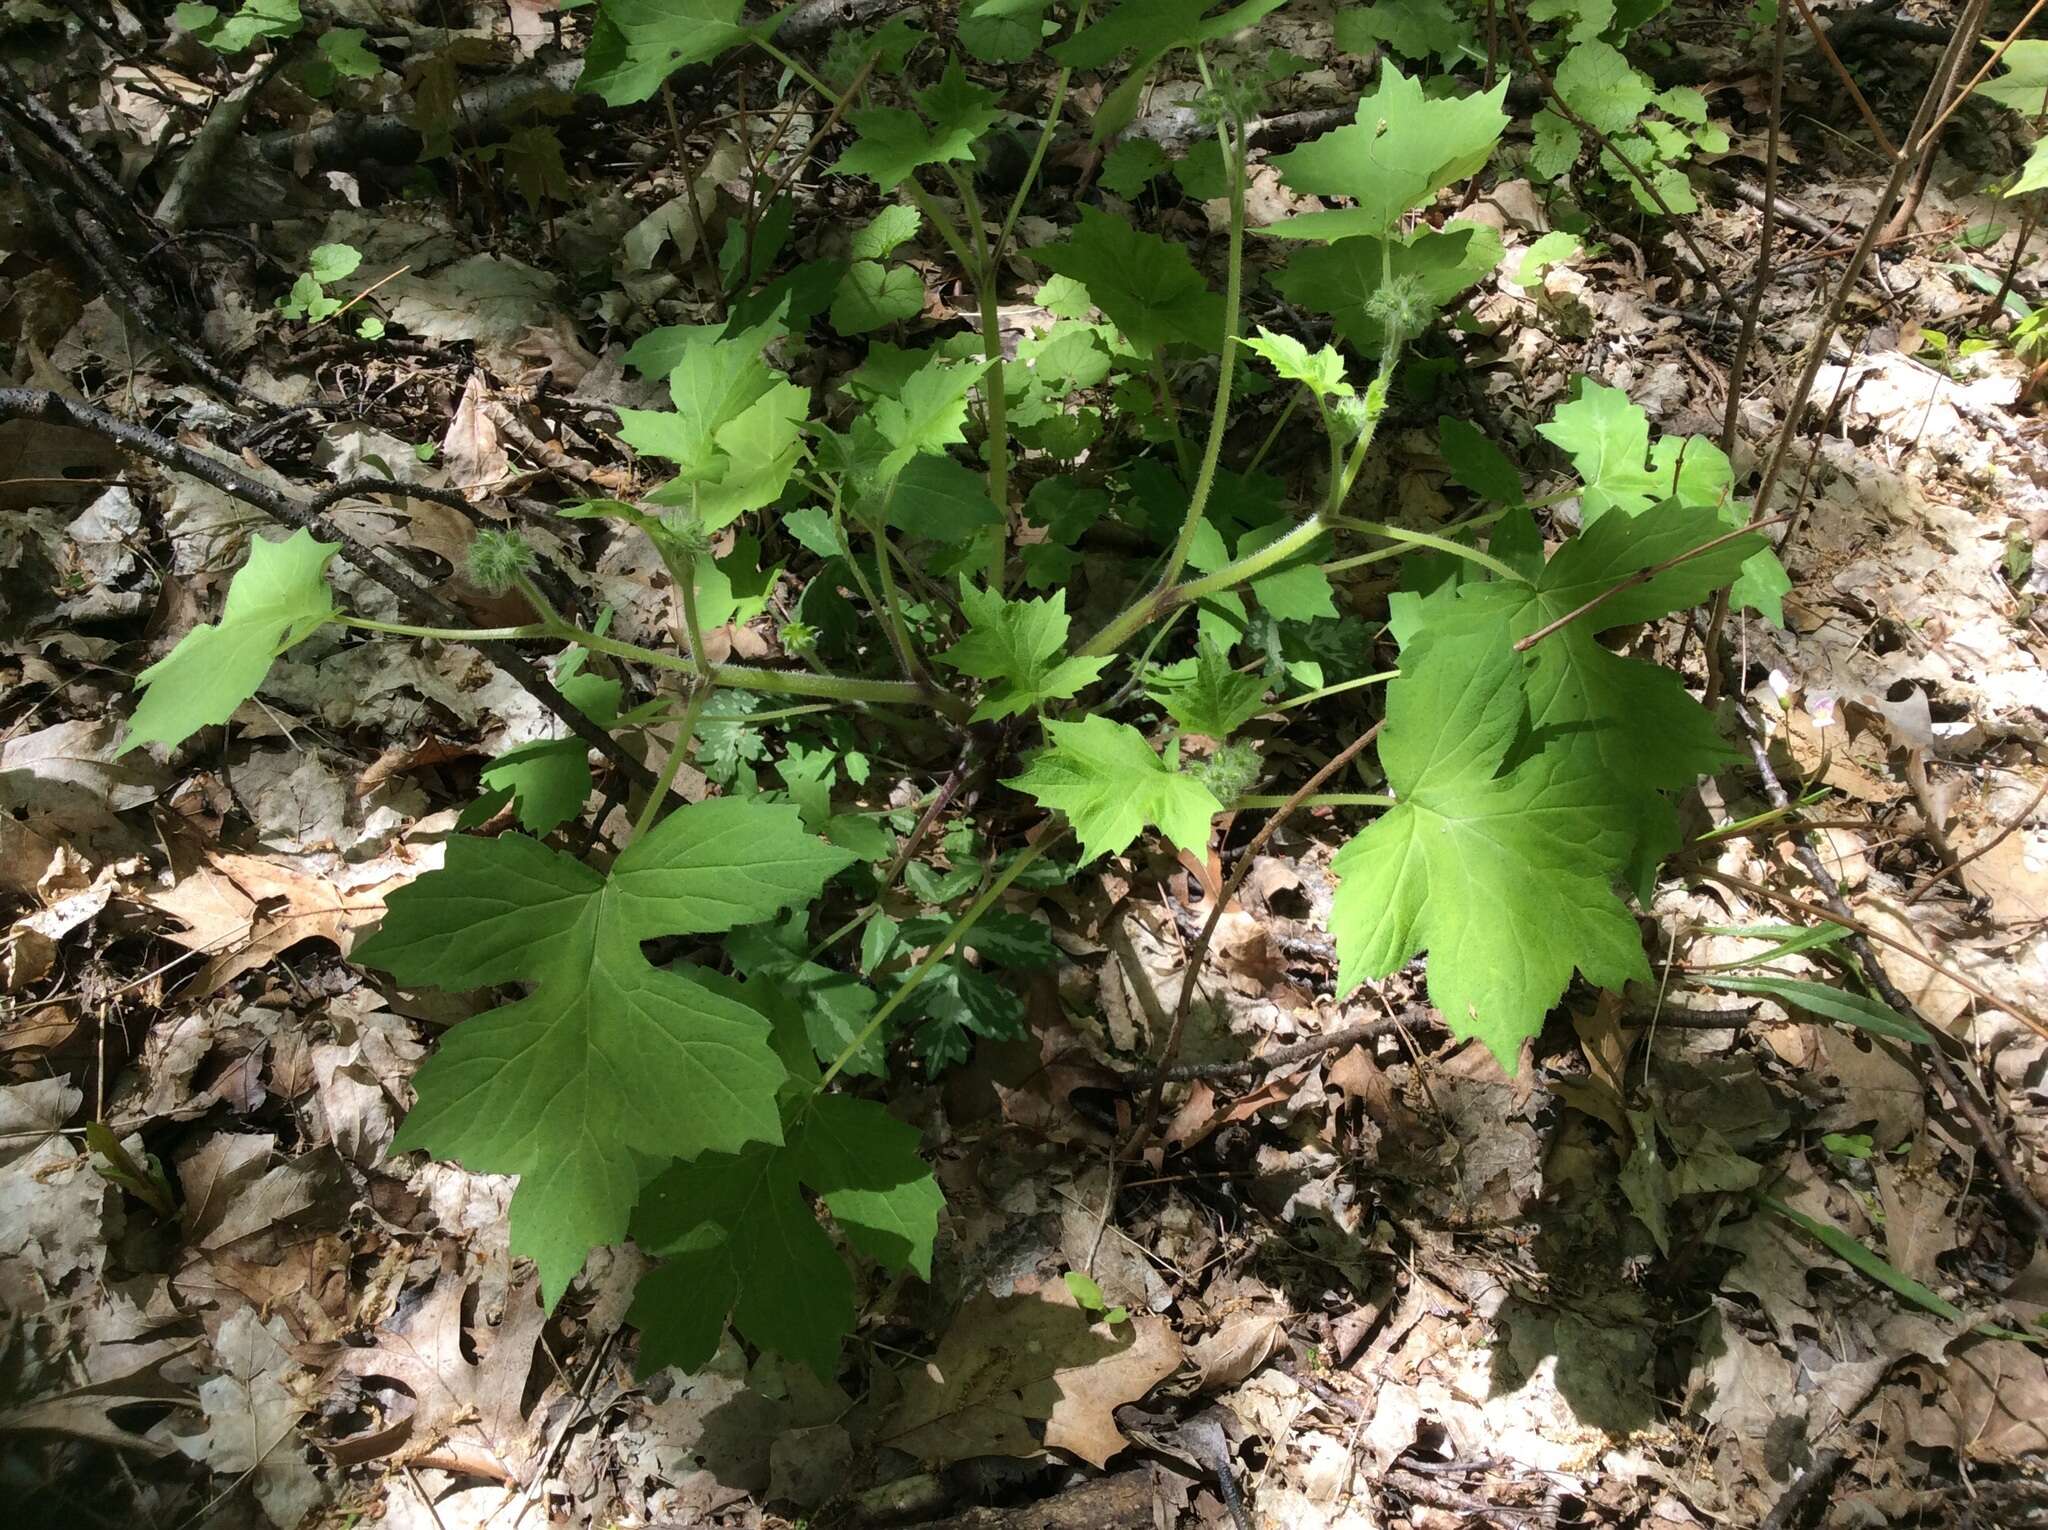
995	392
1381	554
1161	597
1169	410
685	731
451	634
1052	117
1431	540
542	606
892	608
1335	690
1273	435
1253	564
1319	799
938	953
1233	295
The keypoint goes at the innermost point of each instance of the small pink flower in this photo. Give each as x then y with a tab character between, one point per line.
1820	707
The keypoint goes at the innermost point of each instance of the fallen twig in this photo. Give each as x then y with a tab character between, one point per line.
54	409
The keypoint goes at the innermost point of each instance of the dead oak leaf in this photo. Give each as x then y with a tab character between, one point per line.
241	911
1008	1361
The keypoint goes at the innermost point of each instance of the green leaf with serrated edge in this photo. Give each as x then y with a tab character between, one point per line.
1554	147
1477	463
1608	441
1343	278
1321	372
1109	783
1014	643
1130	165
548	781
738	1237
1297	591
889	228
2022	82
1607	438
610	1060
713	381
343	48
872	295
864	1163
1402	149
1002	31
1554	248
894	142
1147	286
639	43
1629	722
1506	878
333	262
1151	27
1601	87
936	497
256	19
2033	174
1214	700
928	415
278	598
1415	29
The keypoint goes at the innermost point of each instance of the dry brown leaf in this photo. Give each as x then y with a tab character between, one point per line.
475	1408
470	450
242	911
1238	1348
1009	1360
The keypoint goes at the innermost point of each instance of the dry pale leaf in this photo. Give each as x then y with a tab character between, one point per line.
1007	1361
241	911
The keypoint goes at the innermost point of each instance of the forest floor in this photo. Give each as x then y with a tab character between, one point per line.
1378	1285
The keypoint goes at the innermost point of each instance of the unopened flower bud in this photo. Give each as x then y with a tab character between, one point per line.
497	559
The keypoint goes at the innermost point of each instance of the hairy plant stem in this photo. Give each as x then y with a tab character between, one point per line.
939	951
1310	698
1317	799
1163	596
995	392
450	634
1430	539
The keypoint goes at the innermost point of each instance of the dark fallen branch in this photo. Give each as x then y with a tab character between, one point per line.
413	595
487	112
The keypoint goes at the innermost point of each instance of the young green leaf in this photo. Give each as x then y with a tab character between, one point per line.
738	1237
1403	148
872	296
610	1060
1321	372
278	599
1477	463
894	142
1148	286
1002	31
636	44
1415	29
1602	86
928	415
1506	878
1214	699
1014	643
1151	27
1109	783
889	228
2022	82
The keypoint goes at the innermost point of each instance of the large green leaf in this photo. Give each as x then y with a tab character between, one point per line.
1346	279
2022	82
894	142
1111	785
1150	28
637	44
1403	148
609	1062
279	598
1148	286
1506	877
738	1237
